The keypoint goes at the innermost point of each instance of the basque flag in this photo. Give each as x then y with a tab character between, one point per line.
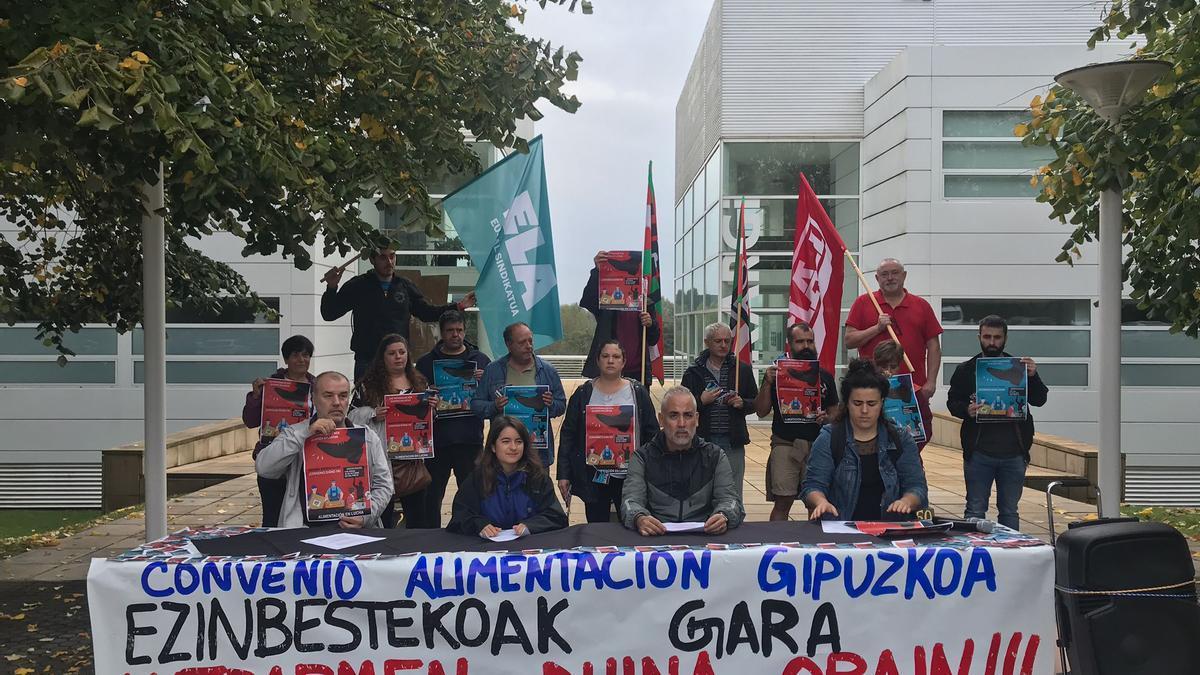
740	309
817	274
652	278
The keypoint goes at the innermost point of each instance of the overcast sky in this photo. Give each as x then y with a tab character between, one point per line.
636	55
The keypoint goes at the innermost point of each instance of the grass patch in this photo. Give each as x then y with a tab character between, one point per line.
22	522
1186	521
24	529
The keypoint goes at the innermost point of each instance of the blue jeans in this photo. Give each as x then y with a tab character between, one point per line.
737	459
1009	476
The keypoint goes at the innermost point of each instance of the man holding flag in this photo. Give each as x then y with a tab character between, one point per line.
723	383
641	335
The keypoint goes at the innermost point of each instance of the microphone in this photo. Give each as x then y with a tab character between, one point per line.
982	525
969	524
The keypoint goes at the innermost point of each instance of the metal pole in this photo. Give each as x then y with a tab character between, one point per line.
154	301
1109	359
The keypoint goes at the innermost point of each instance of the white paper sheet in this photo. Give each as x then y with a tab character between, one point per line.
506	535
838	527
683	527
341	540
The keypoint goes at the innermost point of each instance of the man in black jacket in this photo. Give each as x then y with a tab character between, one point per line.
457	436
723	406
624	327
993	450
381	302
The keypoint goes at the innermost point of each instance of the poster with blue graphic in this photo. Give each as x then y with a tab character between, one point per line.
527	404
1001	388
901	406
455	382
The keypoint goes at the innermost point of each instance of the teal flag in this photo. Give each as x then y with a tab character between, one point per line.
503	219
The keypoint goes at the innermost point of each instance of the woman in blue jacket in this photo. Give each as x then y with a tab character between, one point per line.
877	470
509	488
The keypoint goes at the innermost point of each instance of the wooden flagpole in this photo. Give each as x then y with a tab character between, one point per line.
878	309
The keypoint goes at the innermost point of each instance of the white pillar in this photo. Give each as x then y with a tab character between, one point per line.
1108	362
154	301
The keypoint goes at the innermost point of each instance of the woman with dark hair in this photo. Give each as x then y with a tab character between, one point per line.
600	489
861	465
509	488
390	372
297	354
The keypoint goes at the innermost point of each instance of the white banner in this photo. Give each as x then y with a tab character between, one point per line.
764	609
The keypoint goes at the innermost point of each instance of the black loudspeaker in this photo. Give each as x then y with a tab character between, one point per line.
1126	599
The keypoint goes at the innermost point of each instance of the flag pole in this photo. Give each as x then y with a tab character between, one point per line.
645	328
737	370
891	331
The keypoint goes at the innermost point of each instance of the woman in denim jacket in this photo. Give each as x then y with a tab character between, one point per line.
878	471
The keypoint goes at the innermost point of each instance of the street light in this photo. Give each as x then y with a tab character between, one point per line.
1111	89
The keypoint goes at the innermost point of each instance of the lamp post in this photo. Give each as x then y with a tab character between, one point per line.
1111	89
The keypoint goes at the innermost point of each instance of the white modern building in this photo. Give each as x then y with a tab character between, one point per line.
901	114
57	420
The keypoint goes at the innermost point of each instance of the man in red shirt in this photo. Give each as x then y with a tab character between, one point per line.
909	315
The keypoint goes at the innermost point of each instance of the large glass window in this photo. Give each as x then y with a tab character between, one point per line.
49	372
984	187
985	160
23	340
969	311
710	284
208	372
712	179
771	223
773	168
215	341
688	211
1035	343
981	123
712	233
1160	375
1158	344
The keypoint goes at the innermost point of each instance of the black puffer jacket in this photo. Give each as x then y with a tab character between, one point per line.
572	437
680	487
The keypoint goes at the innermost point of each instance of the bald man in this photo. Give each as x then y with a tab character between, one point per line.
284	457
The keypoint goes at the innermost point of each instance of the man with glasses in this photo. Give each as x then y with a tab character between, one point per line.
910	316
678	477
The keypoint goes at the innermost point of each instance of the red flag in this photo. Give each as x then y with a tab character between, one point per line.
740	308
817	274
651	279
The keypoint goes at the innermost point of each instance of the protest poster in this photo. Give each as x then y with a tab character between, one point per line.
335	471
455	382
1001	388
901	406
526	404
284	403
408	426
798	389
611	436
970	610
621	281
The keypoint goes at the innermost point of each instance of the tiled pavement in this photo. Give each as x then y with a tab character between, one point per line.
236	502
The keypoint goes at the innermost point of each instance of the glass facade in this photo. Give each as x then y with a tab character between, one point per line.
982	159
764	175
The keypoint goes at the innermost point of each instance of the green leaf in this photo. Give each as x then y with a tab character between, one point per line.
74	98
90	117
